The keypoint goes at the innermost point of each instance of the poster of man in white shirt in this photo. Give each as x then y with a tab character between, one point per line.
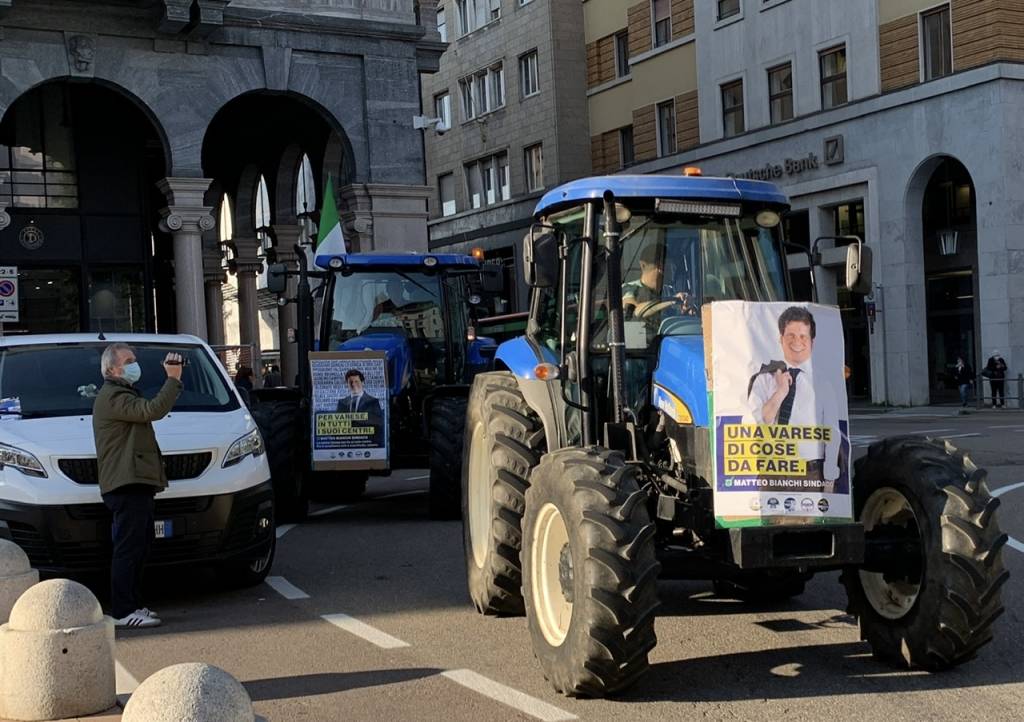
782	427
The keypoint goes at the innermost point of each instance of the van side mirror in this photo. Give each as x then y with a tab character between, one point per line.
858	269
540	257
277	281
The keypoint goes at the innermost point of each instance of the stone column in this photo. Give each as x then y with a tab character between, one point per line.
287	318
214	277
246	264
186	218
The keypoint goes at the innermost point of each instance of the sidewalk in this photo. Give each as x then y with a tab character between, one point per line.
864	409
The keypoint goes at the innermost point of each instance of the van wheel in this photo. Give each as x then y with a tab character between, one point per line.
251	572
278	422
447	425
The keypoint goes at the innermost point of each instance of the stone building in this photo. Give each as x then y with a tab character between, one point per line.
510	99
128	126
899	121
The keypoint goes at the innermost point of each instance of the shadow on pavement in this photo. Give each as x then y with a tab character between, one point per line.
308	685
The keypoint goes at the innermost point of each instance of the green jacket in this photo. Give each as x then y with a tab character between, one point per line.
122	422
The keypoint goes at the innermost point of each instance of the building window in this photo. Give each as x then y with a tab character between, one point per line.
833	77
529	79
849	219
442	25
732	108
39	164
936	42
446	193
534	161
661	13
487	180
666	114
622	54
780	93
728	8
443	109
626	156
483	92
475	14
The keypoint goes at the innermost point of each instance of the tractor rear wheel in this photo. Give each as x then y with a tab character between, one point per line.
503	440
279	424
447	427
589	572
929	589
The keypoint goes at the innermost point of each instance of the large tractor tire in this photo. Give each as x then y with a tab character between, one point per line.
503	442
589	572
447	428
928	594
279	423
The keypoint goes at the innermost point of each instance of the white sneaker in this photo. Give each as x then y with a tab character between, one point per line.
138	618
149	613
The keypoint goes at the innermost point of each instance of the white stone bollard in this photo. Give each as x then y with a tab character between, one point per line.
190	692
16	575
56	654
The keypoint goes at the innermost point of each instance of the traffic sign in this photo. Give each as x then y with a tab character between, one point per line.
8	294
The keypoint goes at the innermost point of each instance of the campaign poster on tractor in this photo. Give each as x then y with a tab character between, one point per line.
350	410
781	425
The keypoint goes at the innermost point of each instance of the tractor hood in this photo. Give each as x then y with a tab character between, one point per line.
392	343
680	378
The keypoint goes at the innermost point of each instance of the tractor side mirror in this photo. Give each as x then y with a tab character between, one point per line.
277	281
540	257
858	268
492	279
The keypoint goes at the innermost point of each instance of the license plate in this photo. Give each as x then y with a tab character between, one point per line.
163	528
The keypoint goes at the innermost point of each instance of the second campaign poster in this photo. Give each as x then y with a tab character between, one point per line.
781	425
350	410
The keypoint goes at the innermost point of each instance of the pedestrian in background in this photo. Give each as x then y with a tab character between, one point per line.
273	377
131	471
964	377
995	371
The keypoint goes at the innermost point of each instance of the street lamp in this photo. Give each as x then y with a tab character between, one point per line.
948	240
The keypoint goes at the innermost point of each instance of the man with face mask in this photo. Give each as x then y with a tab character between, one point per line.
131	471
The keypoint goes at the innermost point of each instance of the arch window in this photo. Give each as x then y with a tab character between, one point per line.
262	221
305	188
225	228
37	161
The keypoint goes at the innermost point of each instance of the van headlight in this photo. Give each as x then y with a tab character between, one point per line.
20	460
251	443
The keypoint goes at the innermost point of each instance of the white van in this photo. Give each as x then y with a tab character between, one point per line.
219	506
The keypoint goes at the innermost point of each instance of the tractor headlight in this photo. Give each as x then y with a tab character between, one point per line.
21	460
251	443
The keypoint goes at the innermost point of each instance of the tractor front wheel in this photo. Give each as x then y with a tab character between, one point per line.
589	572
929	589
279	423
447	425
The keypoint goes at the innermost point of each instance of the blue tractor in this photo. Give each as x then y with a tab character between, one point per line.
590	464
416	310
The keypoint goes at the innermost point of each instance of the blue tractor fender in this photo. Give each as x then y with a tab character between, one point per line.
519	357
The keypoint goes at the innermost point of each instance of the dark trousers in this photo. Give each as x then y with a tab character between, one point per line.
997	392
132	532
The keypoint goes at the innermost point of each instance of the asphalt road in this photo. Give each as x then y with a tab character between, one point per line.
366	617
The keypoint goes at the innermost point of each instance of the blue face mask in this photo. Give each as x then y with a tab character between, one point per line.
131	372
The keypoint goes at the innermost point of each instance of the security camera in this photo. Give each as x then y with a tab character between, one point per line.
422	122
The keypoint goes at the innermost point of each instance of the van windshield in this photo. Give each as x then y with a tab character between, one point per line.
62	380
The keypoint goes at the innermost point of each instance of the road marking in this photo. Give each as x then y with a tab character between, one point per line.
417	492
960	436
124	683
931	431
361	629
417	478
284	529
1010	426
329	510
507	696
1010	542
285	588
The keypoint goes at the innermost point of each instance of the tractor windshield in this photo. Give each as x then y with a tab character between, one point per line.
670	267
409	303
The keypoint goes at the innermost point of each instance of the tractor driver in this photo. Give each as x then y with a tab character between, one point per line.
649	297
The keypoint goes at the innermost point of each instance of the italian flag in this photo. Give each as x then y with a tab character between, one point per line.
329	241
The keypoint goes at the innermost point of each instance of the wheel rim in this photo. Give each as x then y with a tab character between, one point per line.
891	598
549	558
479	502
263	562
